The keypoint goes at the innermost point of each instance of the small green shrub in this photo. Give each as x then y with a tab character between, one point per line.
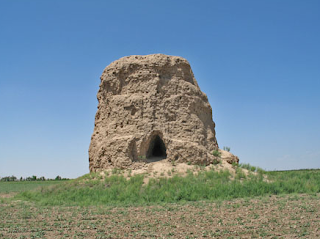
225	148
215	162
234	164
260	170
216	153
250	168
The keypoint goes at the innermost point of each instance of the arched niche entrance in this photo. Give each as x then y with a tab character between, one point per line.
157	149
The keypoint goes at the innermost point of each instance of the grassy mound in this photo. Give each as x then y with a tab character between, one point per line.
91	189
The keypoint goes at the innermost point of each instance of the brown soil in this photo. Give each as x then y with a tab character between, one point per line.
291	216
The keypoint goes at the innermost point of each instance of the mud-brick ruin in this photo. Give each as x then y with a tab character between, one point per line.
151	108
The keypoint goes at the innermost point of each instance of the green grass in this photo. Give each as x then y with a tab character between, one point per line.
216	153
207	185
9	187
296	181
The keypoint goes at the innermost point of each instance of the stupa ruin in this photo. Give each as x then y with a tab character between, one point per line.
151	108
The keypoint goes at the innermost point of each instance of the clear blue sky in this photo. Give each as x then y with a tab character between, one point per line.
258	62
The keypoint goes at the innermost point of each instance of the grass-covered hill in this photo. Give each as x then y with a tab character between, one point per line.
120	188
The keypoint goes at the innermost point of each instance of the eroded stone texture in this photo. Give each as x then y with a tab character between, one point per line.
151	108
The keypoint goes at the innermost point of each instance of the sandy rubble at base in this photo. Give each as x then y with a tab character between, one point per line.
168	169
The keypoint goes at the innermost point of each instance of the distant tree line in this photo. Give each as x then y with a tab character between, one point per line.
32	178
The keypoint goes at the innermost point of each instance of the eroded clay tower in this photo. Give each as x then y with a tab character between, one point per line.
151	108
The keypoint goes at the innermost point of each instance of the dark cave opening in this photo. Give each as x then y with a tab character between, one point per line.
157	150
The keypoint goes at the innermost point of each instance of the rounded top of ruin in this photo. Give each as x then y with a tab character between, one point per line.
149	67
152	59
